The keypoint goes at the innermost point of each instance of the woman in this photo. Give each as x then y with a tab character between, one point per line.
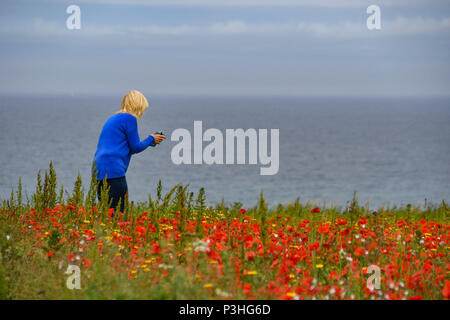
118	140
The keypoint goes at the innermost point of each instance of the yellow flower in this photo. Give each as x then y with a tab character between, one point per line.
291	294
86	221
118	254
133	271
102	224
291	276
318	266
212	261
146	269
252	272
208	285
143	266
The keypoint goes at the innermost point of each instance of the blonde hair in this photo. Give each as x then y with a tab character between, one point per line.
135	103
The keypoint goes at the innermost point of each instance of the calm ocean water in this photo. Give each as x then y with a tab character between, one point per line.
392	151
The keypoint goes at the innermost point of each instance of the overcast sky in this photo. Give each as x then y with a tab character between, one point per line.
303	47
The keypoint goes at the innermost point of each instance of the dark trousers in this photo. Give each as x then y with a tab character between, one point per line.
118	189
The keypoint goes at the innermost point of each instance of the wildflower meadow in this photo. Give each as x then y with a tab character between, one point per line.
177	246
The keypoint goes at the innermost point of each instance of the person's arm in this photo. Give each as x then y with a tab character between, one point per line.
135	143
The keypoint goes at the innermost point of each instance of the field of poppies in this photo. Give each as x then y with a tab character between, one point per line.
174	246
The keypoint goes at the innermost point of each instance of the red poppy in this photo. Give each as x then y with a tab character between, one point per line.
446	290
315	210
250	255
86	263
156	248
247	289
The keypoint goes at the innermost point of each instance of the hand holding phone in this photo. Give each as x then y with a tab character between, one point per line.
159	137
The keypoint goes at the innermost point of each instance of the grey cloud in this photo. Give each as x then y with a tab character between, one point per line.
400	26
288	3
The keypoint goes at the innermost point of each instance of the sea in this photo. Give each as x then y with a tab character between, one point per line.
389	151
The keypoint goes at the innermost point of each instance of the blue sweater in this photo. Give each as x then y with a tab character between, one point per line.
118	140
